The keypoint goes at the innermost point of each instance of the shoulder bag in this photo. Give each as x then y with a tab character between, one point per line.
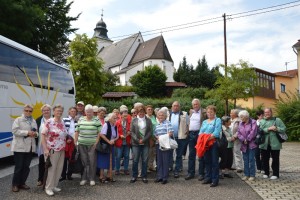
281	136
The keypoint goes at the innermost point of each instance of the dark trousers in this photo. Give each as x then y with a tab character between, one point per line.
226	158
193	137
275	161
163	158
258	159
41	167
22	163
67	169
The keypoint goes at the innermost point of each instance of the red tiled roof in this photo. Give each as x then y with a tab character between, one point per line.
291	73
119	94
175	84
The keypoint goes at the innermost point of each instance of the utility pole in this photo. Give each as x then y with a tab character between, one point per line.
225	63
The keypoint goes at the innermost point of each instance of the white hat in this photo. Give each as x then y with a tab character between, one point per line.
80	102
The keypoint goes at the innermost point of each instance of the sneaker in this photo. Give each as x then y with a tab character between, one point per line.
265	176
56	189
262	172
92	183
39	183
251	179
245	178
274	177
83	182
49	192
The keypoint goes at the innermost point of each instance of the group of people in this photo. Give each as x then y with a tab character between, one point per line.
142	133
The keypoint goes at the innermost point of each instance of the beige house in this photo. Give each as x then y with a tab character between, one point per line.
271	87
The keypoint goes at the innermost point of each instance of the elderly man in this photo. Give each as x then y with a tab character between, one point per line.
180	123
80	110
237	154
197	116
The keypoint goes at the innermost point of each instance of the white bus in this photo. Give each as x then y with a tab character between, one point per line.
29	77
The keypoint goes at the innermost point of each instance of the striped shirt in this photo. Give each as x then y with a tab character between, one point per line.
88	130
71	125
163	128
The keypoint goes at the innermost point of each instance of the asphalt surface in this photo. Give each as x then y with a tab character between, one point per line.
232	189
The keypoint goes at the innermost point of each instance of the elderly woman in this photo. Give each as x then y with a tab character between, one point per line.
163	127
247	134
46	114
54	141
101	115
86	135
227	154
141	131
271	125
211	127
108	136
23	144
123	143
71	124
237	154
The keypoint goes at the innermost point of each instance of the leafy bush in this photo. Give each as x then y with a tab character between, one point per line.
288	110
186	103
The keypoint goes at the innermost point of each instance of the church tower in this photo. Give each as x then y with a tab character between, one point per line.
100	33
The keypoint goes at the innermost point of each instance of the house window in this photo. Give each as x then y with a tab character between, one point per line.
282	87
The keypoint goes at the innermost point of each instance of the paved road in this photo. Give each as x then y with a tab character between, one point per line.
288	185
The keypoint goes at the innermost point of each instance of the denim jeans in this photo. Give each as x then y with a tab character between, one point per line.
249	162
140	151
122	151
179	153
211	159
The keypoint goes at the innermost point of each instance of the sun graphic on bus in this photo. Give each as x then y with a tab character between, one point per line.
37	91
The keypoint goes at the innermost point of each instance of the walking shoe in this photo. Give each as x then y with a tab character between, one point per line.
213	184
49	192
265	176
83	182
39	183
245	178
176	175
56	189
92	183
262	172
24	187
239	170
117	173
200	178
274	177
15	188
228	176
189	177
251	178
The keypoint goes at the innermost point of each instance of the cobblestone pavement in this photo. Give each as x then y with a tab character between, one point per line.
288	185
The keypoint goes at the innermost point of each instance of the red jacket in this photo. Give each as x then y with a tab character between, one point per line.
119	142
203	144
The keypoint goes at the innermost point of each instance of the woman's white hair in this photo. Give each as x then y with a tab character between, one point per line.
244	113
88	107
162	111
110	116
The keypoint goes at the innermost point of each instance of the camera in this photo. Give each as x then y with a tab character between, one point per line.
34	130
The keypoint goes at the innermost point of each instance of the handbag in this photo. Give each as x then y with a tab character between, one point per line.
281	136
222	142
260	136
102	147
173	144
76	165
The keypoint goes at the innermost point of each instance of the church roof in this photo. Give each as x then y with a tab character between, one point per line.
154	48
114	55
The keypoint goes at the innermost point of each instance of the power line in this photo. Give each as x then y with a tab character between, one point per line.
213	20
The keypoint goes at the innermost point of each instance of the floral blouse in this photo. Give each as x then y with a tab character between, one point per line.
55	133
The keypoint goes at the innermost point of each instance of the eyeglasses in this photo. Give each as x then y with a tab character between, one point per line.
28	111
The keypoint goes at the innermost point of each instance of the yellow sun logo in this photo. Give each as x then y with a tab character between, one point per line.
36	104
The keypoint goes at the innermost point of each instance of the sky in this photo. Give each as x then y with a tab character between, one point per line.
264	40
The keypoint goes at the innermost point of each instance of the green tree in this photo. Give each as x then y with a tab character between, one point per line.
183	74
150	82
204	77
111	81
42	25
87	69
239	83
